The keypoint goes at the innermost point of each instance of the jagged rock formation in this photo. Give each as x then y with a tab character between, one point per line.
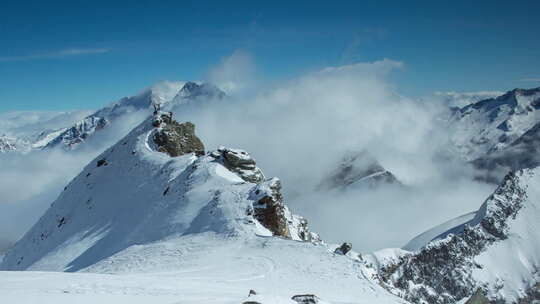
358	169
306	299
240	162
271	212
176	138
496	252
343	249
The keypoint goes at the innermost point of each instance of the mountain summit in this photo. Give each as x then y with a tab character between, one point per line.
157	183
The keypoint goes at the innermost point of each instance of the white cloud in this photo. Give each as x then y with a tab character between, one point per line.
460	99
298	130
56	54
235	73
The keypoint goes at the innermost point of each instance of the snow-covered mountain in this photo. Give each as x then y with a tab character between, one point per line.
12	144
358	170
166	94
492	253
134	194
493	124
28	130
208	225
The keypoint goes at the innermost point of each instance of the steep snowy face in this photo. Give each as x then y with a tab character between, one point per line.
135	194
493	124
358	170
496	251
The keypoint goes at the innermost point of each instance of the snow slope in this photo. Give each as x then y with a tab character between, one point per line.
203	269
138	224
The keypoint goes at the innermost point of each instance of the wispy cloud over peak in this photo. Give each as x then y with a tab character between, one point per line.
56	54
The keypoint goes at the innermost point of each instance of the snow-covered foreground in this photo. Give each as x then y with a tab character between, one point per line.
203	269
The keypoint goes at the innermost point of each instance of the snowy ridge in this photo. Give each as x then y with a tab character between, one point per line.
166	94
132	194
493	124
199	229
497	251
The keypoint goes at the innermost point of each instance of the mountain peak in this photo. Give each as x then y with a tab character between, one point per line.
193	90
154	184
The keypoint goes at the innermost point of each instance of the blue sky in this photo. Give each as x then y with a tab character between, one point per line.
59	55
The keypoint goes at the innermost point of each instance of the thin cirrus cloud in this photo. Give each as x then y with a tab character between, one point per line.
56	54
530	79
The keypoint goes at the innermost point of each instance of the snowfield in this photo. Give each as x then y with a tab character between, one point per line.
138	226
203	269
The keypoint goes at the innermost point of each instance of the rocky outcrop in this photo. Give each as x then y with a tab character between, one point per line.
271	212
358	169
442	272
240	162
306	299
269	209
175	138
343	249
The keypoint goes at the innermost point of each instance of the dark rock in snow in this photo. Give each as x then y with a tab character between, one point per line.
344	248
306	299
269	209
176	138
241	163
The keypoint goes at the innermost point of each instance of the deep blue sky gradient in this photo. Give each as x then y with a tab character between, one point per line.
83	54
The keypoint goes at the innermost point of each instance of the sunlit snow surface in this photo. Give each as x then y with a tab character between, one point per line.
142	227
203	269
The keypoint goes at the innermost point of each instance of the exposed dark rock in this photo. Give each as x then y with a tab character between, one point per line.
344	248
252	293
241	163
176	138
102	162
269	209
306	299
251	302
